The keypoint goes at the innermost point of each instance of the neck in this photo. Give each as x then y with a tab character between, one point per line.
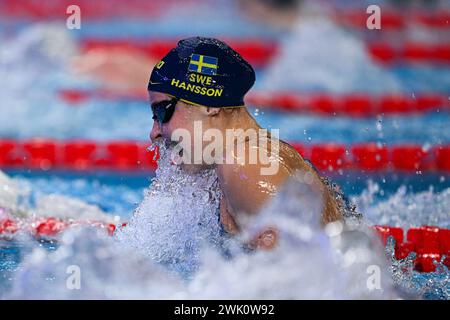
238	119
237	125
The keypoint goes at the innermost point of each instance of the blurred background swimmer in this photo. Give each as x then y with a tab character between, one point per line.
315	53
49	47
324	55
329	57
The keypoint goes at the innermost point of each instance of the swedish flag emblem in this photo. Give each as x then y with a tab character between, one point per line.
203	64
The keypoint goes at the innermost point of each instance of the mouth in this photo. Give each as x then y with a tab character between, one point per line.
157	139
169	145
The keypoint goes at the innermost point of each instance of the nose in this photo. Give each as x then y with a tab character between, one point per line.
156	131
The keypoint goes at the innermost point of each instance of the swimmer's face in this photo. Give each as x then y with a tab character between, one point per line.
186	117
164	130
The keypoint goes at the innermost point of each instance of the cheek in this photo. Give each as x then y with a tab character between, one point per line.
179	120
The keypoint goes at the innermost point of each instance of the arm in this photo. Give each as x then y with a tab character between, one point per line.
267	239
245	193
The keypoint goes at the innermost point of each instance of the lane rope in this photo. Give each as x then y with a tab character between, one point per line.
85	155
259	52
100	9
429	243
352	105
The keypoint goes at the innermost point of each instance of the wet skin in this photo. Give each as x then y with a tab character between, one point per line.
245	190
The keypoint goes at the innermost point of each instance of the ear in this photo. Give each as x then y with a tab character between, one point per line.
210	111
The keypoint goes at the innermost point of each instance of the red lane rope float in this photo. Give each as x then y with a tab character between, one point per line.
51	9
45	154
75	96
394	20
98	9
428	242
259	52
410	52
354	104
48	227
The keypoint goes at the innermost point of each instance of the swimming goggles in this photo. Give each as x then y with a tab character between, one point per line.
163	110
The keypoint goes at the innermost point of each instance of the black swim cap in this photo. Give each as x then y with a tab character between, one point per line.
203	71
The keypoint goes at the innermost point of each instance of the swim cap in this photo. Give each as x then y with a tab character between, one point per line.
203	71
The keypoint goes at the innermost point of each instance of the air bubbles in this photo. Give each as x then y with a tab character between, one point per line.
178	215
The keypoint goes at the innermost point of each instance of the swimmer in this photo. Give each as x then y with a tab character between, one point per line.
314	52
203	81
116	69
44	47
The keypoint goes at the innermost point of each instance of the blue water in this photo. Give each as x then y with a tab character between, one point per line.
33	103
132	120
119	193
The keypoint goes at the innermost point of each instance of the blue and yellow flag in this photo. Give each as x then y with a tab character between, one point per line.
203	64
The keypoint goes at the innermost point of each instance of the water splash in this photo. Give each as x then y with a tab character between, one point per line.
434	285
12	194
106	271
308	255
322	63
175	248
179	214
336	257
24	201
403	209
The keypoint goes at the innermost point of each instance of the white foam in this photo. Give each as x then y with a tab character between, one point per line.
105	271
64	207
405	209
308	263
178	215
16	194
176	228
11	193
338	64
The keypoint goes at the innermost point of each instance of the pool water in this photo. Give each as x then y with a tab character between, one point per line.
404	200
173	247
